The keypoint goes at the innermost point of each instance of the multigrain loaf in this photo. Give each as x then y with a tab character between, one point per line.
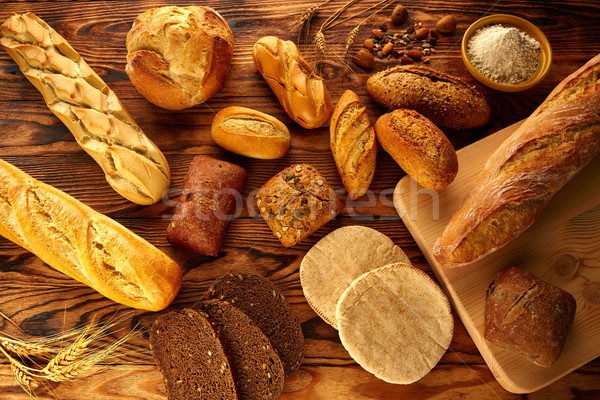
302	94
178	57
527	315
419	147
296	202
210	196
84	244
352	143
132	164
257	370
250	133
560	137
266	306
191	357
446	100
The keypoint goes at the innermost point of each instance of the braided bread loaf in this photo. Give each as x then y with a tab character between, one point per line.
84	244
132	164
302	94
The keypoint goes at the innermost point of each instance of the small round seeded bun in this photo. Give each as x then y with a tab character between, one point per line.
331	265
264	304
396	322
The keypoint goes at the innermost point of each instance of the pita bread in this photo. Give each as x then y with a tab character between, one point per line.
336	260
396	322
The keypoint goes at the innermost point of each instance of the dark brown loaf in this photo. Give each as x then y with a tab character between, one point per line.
208	201
419	147
352	143
523	174
264	304
296	202
257	370
191	358
446	100
528	315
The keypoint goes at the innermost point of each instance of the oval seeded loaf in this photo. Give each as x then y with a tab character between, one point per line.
446	100
419	147
250	133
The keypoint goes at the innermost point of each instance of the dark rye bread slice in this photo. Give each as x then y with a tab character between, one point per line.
191	358
260	300
256	368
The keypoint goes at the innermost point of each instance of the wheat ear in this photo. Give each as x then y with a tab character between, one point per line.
26	349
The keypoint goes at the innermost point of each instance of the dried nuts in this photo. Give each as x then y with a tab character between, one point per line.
364	58
422	33
446	25
416	54
369	44
378	33
387	49
399	15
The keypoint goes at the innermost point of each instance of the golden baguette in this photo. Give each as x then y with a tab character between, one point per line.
522	175
132	164
84	244
302	94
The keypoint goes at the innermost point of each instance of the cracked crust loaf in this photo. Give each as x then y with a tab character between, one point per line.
296	202
132	164
178	57
264	304
527	315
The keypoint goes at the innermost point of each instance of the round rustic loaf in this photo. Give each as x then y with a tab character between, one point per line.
178	57
419	147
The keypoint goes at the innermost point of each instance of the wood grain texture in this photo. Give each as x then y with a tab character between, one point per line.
43	301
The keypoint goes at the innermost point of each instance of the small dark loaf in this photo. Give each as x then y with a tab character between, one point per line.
257	370
528	315
264	304
446	100
208	200
191	358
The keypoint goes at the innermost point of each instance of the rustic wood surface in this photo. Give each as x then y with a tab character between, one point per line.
43	302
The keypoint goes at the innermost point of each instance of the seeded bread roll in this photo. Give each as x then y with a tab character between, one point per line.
208	201
419	147
264	304
191	358
296	202
257	370
178	57
250	133
446	100
302	94
528	315
352	142
526	170
132	164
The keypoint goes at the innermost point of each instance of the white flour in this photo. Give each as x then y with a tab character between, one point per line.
504	54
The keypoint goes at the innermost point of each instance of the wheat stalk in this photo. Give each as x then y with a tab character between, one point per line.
351	39
320	42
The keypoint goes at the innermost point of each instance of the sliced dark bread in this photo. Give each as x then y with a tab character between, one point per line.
191	358
260	300
256	367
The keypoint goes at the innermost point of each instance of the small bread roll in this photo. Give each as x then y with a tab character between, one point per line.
178	57
419	147
250	133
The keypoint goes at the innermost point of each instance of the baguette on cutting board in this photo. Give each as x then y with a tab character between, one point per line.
84	244
132	164
559	138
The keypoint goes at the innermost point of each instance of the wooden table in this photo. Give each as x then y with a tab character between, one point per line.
43	302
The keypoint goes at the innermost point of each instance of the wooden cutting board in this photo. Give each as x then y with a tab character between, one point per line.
562	247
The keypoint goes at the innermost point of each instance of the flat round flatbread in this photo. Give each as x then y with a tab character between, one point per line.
336	260
396	322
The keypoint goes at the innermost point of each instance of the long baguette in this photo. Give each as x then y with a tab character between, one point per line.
85	244
560	137
132	164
